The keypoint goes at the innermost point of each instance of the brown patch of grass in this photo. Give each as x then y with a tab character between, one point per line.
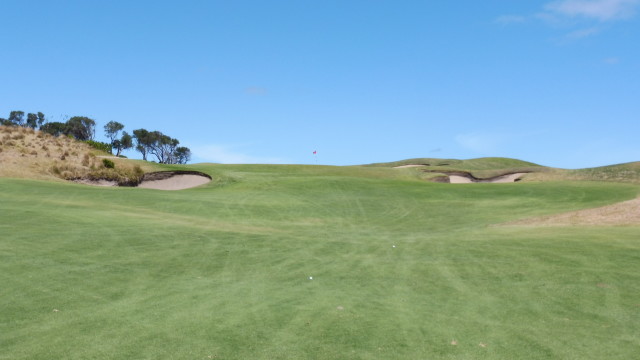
40	158
623	213
86	160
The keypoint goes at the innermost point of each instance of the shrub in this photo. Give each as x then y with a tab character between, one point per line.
99	145
108	164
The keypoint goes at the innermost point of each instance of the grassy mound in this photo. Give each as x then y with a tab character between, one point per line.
489	163
481	168
30	154
492	167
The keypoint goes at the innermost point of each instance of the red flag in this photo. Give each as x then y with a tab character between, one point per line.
314	152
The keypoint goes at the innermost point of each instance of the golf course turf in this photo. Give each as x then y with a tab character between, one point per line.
315	262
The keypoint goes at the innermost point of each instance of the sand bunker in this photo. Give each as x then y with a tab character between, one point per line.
161	180
463	177
174	180
623	213
468	179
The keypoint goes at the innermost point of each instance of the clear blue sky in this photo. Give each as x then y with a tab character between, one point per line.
552	82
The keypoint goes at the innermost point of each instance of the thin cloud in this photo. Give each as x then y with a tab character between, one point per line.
601	10
583	18
582	33
611	60
229	155
510	19
256	90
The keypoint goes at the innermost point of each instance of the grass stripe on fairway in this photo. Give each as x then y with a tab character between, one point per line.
223	271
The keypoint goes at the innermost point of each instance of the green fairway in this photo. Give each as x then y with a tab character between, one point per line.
314	262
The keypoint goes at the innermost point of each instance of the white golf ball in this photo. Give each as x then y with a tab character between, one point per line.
310	277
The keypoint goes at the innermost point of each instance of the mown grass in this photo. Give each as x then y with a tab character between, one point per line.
222	271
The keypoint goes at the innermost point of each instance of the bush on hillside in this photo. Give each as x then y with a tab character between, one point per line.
124	177
108	163
99	145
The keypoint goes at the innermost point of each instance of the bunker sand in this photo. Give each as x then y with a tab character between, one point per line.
162	180
509	178
175	182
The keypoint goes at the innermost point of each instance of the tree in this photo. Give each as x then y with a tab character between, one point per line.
81	127
32	120
112	129
124	143
163	147
54	128
142	142
41	119
182	155
16	118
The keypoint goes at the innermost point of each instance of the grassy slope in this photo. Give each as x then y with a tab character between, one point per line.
481	167
30	154
222	271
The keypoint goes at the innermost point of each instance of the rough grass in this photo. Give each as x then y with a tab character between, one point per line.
223	271
30	154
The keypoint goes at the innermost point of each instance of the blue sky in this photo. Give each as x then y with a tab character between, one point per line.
556	82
